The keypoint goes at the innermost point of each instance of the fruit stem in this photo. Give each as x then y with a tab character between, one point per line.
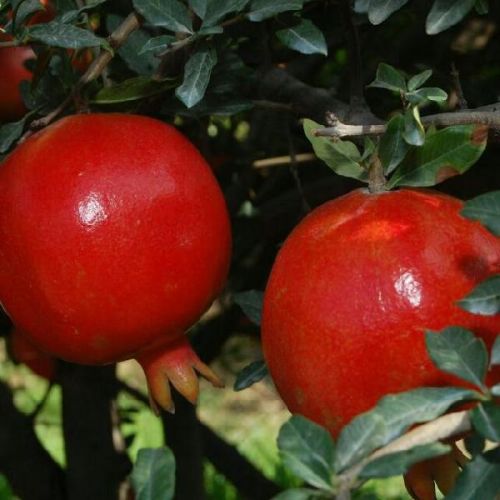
177	364
376	177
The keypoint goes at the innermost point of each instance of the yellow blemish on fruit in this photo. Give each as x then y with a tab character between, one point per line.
380	230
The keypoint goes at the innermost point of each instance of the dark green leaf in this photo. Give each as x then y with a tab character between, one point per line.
133	89
456	350
484	299
495	352
342	157
358	439
399	462
27	9
153	476
196	76
361	6
413	132
390	78
380	10
199	7
72	15
485	419
210	30
418	80
474	443
305	38
66	36
307	450
448	152
393	147
400	411
157	44
251	303
482	7
426	94
480	479
169	14
368	148
216	10
446	13
263	9
486	209
251	374
9	133
141	63
301	494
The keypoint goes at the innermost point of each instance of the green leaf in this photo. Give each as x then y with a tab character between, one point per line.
479	477
72	15
216	10
361	6
380	10
426	94
153	476
495	352
418	80
157	44
9	133
305	38
448	152
482	7
342	157
414	133
143	64
301	494
393	147
486	420
474	443
169	14
446	13
456	350
486	209
368	148
66	36
390	78
26	9
132	89
199	7
251	374
399	462
357	439
197	76
263	9
400	411
484	299
251	303
307	450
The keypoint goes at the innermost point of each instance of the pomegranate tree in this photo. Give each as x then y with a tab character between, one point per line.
115	238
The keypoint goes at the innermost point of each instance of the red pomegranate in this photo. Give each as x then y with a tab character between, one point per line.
114	239
354	288
24	351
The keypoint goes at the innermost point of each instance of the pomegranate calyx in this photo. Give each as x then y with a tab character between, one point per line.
174	364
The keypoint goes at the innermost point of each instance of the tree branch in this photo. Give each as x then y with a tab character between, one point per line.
480	116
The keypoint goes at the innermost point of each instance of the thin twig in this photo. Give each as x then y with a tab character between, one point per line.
278	161
457	85
489	118
306	208
115	40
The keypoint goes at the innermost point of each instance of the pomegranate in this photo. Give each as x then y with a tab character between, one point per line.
115	238
354	288
24	351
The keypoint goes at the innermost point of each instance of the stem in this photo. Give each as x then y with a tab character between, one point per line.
376	178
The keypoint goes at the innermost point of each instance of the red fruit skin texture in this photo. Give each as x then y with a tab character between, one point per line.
352	291
24	351
114	237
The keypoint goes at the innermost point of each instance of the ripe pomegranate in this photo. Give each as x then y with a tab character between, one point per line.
24	351
114	239
352	291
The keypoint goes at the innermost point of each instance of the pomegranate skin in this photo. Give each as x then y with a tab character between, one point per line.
114	237
354	288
